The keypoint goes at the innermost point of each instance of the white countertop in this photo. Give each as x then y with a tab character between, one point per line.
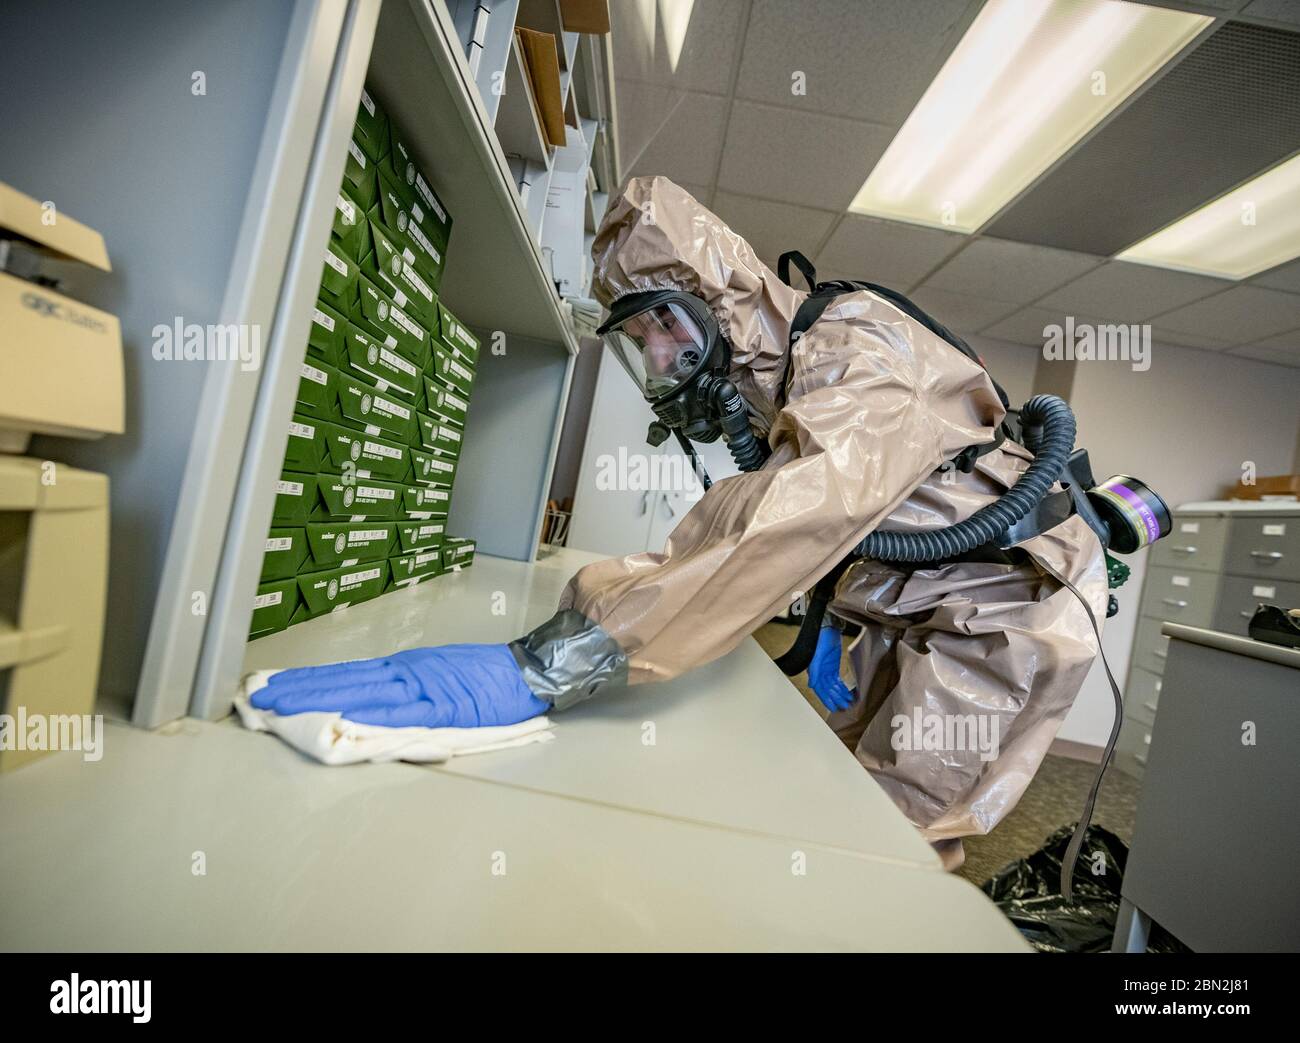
747	825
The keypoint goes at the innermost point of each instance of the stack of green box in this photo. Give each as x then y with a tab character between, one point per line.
378	426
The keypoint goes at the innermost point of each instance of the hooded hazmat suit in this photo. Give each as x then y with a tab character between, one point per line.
860	415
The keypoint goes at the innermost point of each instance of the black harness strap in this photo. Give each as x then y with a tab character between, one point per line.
799	655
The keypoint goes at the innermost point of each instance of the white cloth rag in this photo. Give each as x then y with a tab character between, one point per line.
332	740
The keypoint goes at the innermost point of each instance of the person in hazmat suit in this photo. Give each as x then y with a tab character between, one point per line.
847	429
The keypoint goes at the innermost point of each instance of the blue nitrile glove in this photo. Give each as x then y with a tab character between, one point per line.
824	672
452	686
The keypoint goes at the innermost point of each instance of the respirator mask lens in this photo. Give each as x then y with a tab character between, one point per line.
662	348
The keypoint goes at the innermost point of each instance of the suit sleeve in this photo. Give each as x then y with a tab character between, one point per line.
876	403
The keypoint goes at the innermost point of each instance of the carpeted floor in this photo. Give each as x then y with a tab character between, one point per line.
1054	798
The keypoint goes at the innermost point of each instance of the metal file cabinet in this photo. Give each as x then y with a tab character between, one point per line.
1217	564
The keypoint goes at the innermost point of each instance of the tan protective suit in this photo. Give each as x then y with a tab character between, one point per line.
875	404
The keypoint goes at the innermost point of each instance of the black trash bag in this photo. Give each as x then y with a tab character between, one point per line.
1029	894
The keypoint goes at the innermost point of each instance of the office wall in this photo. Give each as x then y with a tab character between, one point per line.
100	118
1185	426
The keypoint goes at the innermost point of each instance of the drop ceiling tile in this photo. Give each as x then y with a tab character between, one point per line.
1285	277
1024	327
1240	315
960	312
1181	339
708	53
1131	292
772	228
1286	11
890	253
1008	271
1265	353
798	157
866	61
675	133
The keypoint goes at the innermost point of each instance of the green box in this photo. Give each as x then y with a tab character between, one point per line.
387	369
325	591
338	279
295	493
393	209
371	131
439	435
455	372
454	334
336	544
366	499
316	390
359	180
429	467
273	607
419	535
358	403
378	314
425	503
426	207
306	450
328	328
450	402
407	569
367	456
383	263
350	229
285	551
458	552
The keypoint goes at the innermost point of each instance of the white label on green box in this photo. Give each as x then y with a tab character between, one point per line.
367	101
455	402
447	432
366	535
348	211
414	279
391	408
267	600
372	493
433	494
429	197
415	233
439	465
279	543
382	450
428	530
397	362
459	370
421	559
335	263
400	318
312	373
283	488
357	154
355	578
298	430
321	319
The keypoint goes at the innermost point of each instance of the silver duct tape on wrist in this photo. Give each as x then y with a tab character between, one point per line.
568	659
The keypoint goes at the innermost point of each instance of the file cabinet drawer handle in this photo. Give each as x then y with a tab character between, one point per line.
1140	759
1246	615
1163	654
1175	602
1271	555
1183	548
1150	706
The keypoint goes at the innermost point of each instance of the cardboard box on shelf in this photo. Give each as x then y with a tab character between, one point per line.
393	209
450	402
542	58
456	336
337	544
438	435
285	551
384	367
585	16
273	607
316	390
359	180
430	467
379	315
456	373
338	280
426	208
458	552
330	589
359	404
409	568
349	228
384	264
366	499
420	534
306	450
295	493
328	328
371	132
364	456
425	503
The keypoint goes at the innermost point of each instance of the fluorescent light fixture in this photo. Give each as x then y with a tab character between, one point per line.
1254	227
1028	80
